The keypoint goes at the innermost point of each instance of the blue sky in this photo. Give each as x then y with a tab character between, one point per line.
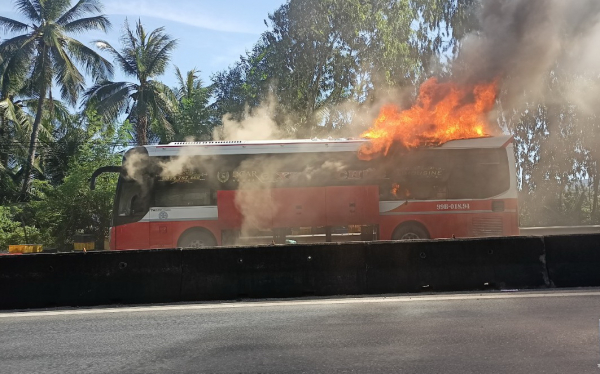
211	34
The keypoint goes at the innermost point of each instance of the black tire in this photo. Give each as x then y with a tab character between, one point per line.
410	232
197	239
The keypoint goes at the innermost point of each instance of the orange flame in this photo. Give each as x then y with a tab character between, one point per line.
443	112
399	191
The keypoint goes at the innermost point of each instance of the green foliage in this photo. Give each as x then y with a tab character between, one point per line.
244	85
62	203
148	103
326	63
14	132
46	55
72	207
14	232
194	116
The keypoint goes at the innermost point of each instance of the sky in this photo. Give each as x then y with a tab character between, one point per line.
211	34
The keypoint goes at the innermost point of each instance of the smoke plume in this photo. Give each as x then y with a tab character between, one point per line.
522	42
256	125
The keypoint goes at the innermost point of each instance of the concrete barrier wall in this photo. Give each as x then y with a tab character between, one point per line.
43	280
132	277
210	274
93	278
455	265
574	260
155	276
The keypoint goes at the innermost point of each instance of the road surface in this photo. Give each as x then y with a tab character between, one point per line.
504	332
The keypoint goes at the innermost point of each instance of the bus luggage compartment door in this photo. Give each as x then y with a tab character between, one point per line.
352	205
132	235
252	208
299	207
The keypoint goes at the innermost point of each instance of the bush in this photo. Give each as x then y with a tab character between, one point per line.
13	232
73	208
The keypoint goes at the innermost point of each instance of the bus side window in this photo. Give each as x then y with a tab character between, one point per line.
421	175
170	194
479	174
131	200
137	205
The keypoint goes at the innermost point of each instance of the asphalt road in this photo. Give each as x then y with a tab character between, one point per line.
507	332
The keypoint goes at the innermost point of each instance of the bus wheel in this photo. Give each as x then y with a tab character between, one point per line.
197	238
410	231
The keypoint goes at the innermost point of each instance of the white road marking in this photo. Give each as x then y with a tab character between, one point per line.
281	303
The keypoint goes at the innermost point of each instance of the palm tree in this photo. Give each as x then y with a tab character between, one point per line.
15	129
49	55
147	102
193	119
188	84
13	119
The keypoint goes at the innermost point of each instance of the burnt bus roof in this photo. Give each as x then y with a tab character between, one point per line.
235	147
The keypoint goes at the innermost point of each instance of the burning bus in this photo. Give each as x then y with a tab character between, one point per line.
428	171
194	194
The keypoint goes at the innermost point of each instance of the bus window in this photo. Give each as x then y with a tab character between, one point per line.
421	175
478	174
168	194
441	174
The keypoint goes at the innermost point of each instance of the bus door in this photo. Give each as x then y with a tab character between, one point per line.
160	229
131	220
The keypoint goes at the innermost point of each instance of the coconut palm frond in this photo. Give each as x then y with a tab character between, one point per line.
95	65
10	25
81	8
29	10
111	99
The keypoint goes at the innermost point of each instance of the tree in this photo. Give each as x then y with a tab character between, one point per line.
14	231
65	209
14	121
15	131
48	54
194	117
327	63
243	86
314	56
147	102
12	116
64	141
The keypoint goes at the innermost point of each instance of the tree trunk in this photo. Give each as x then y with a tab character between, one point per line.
142	130
33	145
142	115
4	143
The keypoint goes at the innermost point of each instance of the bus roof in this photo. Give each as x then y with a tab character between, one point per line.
234	147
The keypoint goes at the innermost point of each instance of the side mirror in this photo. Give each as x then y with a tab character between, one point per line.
102	170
